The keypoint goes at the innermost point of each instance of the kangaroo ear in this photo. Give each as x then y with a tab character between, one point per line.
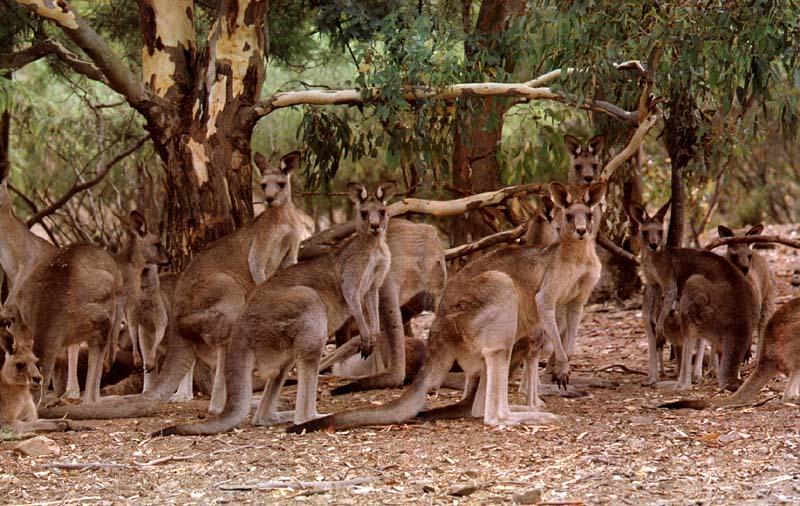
358	193
289	162
596	144
137	223
547	207
385	191
262	163
595	194
663	211
573	145
724	231
755	230
559	194
6	341
637	212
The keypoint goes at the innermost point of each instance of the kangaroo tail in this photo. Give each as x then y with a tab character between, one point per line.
126	406
747	392
239	388
437	362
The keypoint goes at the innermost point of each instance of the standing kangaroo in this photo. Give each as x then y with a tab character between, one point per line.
708	295
417	268
779	354
490	304
211	292
287	320
755	268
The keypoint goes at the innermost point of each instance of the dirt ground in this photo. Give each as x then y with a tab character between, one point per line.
615	447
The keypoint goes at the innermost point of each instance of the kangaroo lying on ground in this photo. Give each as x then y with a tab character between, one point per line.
211	292
485	310
708	295
779	354
287	320
755	268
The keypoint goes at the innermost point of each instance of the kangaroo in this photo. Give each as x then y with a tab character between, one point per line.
287	320
417	268
584	160
486	307
779	354
211	292
712	298
755	268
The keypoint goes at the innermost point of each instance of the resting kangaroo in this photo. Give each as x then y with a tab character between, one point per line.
779	354
18	374
754	266
710	297
287	320
486	307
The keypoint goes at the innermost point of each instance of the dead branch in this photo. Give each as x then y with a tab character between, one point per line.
749	239
301	485
84	466
322	242
76	188
506	236
621	367
615	250
630	149
164	460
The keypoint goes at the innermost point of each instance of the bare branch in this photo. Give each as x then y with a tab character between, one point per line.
506	236
630	149
749	239
76	188
615	250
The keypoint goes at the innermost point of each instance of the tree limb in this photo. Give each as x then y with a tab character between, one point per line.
749	239
615	250
506	236
76	188
630	149
322	242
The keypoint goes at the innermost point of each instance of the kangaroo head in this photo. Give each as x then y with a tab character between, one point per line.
143	244
20	364
651	228
740	255
371	214
276	182
576	221
542	228
584	160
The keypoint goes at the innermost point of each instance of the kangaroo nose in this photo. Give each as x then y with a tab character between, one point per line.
581	231
653	246
36	380
269	200
588	179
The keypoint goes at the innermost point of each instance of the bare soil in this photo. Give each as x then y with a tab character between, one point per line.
615	447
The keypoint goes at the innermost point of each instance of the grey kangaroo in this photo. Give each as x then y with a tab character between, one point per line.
489	305
287	320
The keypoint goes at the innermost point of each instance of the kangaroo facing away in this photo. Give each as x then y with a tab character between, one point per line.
486	307
287	320
755	268
708	295
779	354
211	292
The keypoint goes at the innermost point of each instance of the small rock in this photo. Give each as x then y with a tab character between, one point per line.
533	496
795	280
38	446
428	489
463	491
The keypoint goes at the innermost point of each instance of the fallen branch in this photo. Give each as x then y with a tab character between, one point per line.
622	367
748	239
501	237
61	501
615	250
324	241
85	465
164	460
300	485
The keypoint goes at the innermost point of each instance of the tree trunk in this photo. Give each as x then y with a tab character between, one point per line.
678	205
479	124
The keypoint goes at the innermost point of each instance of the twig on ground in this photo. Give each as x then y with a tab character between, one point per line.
305	485
61	501
621	367
83	466
164	460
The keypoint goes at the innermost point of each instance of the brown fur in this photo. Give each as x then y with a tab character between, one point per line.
486	307
211	292
712	298
780	354
287	320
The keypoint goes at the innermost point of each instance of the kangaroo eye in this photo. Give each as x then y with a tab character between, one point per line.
569	218
594	166
382	213
263	186
577	168
20	366
364	215
281	185
589	217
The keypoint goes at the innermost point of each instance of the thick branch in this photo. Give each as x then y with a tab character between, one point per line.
615	250
120	78
321	243
630	149
749	239
76	188
51	47
506	236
